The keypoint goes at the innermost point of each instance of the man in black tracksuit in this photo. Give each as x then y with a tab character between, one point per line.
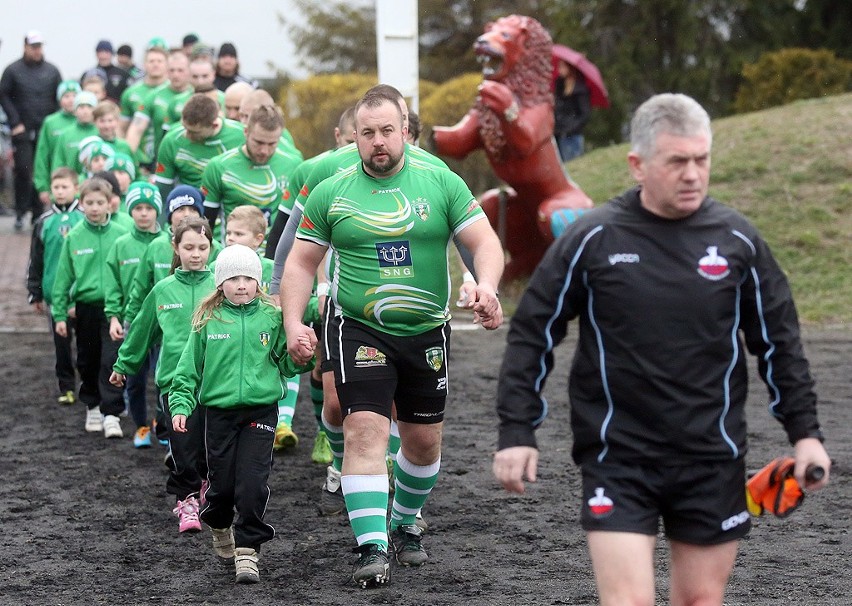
28	94
671	289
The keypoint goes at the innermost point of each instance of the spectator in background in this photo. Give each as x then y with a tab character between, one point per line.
228	68
28	94
571	112
189	41
115	78
124	58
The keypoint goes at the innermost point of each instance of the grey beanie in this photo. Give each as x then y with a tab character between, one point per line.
237	260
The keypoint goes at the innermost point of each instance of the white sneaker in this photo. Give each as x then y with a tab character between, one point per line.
223	542
94	420
245	565
112	427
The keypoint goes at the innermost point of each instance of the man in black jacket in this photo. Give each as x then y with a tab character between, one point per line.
671	289
116	79
28	94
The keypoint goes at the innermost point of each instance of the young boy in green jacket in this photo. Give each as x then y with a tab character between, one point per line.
49	232
51	128
144	205
79	283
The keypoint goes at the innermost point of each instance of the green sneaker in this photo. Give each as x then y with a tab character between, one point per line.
321	453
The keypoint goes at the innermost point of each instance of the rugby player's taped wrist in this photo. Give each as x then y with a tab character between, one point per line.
322	289
468	277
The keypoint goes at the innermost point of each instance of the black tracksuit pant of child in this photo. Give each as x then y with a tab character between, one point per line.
239	459
188	457
96	354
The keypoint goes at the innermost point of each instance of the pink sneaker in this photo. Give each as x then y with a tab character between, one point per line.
187	513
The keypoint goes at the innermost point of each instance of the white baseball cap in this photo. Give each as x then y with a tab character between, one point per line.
34	37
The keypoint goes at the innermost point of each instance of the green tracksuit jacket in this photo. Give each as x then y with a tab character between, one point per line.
234	360
66	148
155	265
51	128
82	266
48	235
165	313
123	261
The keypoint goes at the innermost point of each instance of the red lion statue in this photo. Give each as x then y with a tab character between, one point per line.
513	120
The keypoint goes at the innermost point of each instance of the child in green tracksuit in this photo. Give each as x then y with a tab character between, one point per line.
79	283
144	205
51	128
166	314
49	232
67	146
232	366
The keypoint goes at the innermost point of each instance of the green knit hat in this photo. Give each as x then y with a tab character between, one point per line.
122	162
67	86
142	192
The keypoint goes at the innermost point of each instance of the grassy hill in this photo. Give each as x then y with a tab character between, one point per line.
789	170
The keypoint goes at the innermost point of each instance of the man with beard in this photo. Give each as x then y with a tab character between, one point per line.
28	94
388	220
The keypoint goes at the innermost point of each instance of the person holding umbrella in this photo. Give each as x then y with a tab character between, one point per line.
578	88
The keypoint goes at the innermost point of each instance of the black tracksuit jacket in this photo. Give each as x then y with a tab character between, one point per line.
667	310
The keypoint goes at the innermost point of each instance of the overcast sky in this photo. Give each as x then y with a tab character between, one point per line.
72	29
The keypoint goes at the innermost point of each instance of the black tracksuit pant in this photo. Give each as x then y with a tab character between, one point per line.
239	458
190	466
96	354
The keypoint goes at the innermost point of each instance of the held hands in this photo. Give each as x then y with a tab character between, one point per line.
179	423
116	330
512	465
301	343
482	299
117	379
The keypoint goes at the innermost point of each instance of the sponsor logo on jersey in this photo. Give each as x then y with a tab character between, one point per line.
386	191
205	192
435	358
421	208
264	338
132	261
735	520
307	223
167	306
84	251
713	266
304	191
600	505
160	168
623	258
219	336
366	356
394	259
471	206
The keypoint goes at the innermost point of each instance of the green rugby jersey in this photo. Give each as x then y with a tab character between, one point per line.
181	159
134	99
389	242
156	111
233	179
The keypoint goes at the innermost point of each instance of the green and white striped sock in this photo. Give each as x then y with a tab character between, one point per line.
366	502
287	405
413	485
335	442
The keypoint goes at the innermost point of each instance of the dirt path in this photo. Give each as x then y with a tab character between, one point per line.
87	521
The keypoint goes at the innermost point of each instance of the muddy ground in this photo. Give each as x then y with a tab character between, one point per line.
87	521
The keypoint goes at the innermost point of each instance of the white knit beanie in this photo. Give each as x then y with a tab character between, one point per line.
237	260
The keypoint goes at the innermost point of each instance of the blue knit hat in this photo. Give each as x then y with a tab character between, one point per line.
142	192
184	195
